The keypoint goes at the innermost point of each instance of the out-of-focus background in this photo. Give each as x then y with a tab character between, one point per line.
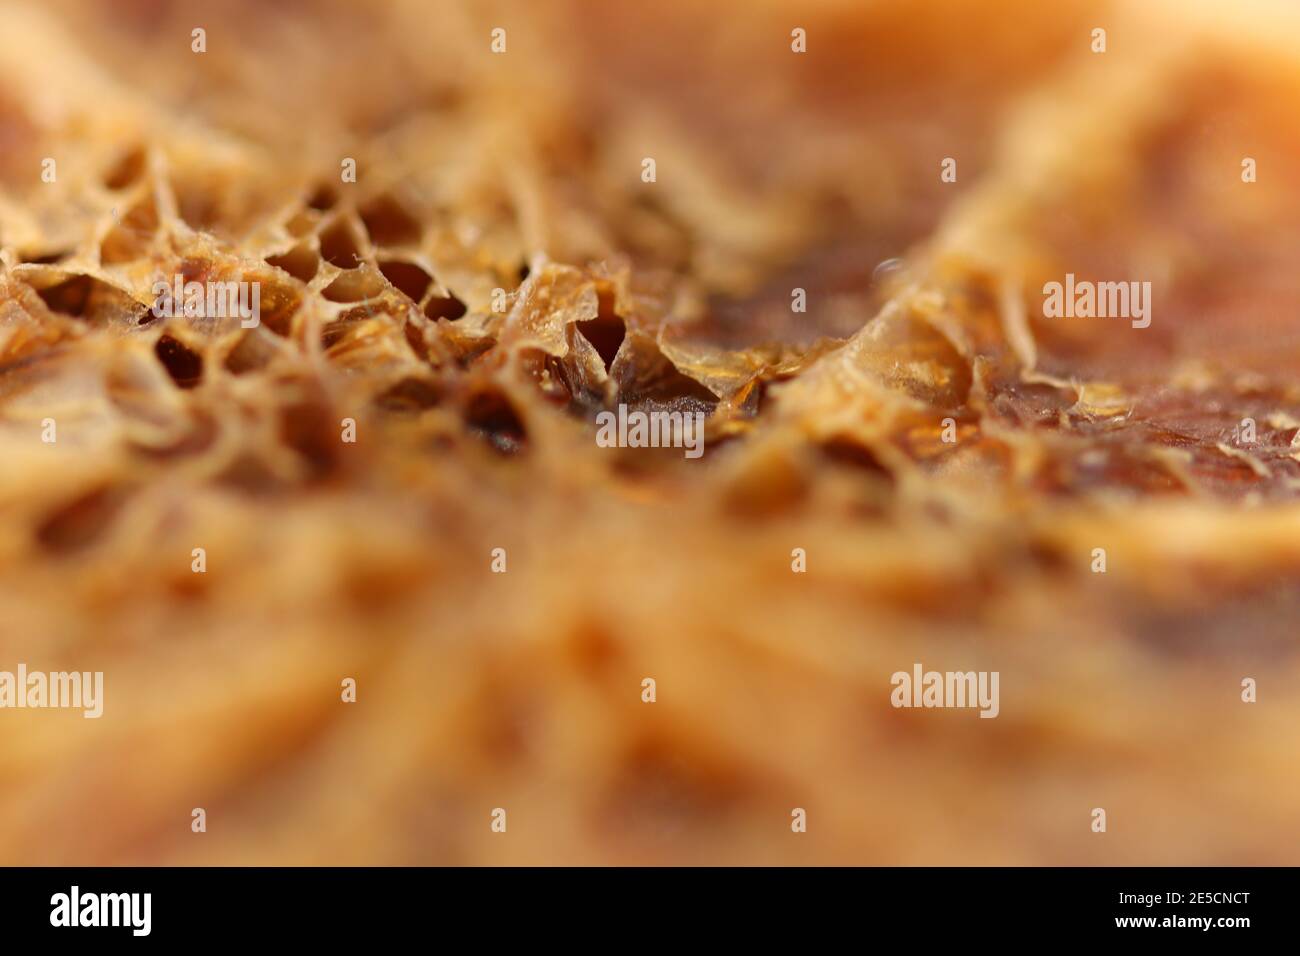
512	163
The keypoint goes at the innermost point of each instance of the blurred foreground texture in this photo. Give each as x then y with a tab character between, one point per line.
521	171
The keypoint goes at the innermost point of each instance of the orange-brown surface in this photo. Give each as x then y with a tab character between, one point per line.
475	431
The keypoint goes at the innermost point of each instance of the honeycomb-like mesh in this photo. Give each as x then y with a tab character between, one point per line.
515	180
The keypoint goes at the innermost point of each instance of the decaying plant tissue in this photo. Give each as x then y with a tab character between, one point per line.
917	346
